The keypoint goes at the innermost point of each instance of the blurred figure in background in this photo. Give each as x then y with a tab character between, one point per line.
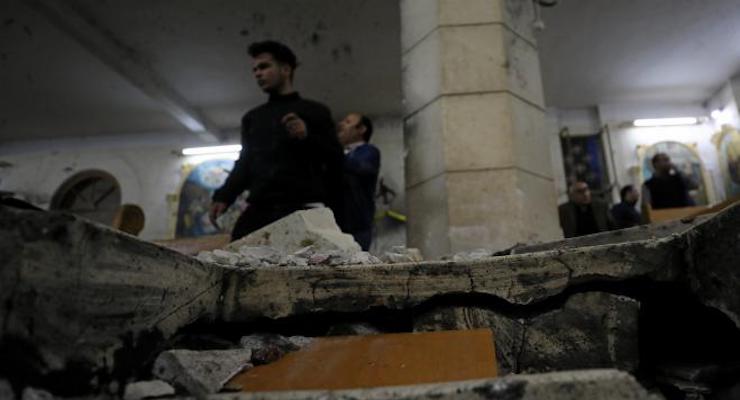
582	215
625	214
667	188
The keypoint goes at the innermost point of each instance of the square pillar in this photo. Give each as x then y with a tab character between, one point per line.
478	170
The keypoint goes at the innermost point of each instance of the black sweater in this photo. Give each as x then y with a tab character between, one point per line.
279	170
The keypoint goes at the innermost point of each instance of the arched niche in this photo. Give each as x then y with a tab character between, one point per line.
92	194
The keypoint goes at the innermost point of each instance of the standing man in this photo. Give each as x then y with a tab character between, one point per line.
290	159
582	215
361	166
625	214
667	188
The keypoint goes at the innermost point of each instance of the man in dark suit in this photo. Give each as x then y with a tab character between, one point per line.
361	167
582	215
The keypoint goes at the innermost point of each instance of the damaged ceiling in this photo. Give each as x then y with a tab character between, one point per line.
57	85
97	68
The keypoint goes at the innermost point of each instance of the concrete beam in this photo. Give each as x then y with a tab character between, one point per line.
126	61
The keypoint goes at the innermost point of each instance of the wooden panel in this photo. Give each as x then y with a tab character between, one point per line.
669	214
377	360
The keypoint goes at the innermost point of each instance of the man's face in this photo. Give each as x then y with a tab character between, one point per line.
632	196
662	163
580	193
349	129
269	74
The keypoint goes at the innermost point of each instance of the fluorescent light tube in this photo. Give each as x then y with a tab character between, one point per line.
665	121
192	151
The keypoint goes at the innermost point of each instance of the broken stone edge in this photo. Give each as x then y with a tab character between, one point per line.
603	384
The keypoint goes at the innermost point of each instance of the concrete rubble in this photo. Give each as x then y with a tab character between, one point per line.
402	254
570	385
6	391
591	330
314	227
147	389
268	348
31	393
264	256
87	301
200	373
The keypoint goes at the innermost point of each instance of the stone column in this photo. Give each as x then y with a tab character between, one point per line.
478	170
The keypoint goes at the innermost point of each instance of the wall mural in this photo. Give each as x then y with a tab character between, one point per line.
583	158
728	146
687	161
195	199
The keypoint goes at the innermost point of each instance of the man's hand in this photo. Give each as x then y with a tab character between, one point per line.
217	208
295	126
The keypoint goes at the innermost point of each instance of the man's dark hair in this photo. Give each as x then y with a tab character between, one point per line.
656	156
623	192
368	124
280	52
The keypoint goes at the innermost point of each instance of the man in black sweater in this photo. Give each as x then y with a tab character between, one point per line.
291	158
667	188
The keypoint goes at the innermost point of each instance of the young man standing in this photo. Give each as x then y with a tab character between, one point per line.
290	159
361	167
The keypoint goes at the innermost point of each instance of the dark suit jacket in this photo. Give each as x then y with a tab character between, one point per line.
569	214
361	167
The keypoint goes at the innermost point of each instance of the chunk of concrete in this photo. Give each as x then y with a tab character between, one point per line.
147	389
603	384
315	227
6	390
200	372
591	330
402	254
267	348
31	393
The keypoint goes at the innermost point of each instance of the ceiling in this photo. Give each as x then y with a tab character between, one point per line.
77	68
615	51
57	81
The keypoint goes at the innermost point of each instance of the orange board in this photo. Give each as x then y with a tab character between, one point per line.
377	360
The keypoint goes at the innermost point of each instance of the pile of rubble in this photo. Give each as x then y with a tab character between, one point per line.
304	238
84	302
264	256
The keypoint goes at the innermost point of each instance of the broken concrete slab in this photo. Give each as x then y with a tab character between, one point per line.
314	227
147	389
77	291
200	373
590	330
570	385
639	233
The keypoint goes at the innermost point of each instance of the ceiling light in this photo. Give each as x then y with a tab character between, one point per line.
666	121
206	157
232	148
716	114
